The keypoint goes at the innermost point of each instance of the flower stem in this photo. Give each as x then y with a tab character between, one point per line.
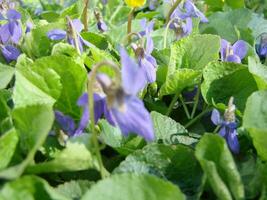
174	6
196	102
103	171
198	117
174	100
129	25
166	33
85	15
217	129
184	106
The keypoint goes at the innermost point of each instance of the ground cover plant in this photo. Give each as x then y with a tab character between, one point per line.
133	100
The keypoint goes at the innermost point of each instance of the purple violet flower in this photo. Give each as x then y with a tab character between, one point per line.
10	52
10	31
182	27
119	105
233	53
187	9
228	126
101	25
261	48
145	60
58	34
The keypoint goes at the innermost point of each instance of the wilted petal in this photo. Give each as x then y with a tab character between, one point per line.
131	73
216	117
232	141
13	15
77	25
57	34
240	49
135	119
233	58
66	122
10	53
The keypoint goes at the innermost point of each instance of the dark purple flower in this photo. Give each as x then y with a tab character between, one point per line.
261	47
145	60
75	28
120	106
11	31
233	53
228	127
10	52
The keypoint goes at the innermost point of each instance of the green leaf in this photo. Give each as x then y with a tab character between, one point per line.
132	187
236	24
169	131
223	80
113	137
254	121
73	78
96	39
235	4
194	52
6	74
259	72
36	43
74	189
218	164
42	85
162	161
179	80
74	157
8	144
29	187
32	124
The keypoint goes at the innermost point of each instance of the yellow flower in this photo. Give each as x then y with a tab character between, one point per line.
135	3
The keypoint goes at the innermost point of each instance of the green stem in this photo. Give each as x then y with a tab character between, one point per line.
198	117
129	25
166	33
174	100
93	74
217	129
196	102
85	15
172	9
184	106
